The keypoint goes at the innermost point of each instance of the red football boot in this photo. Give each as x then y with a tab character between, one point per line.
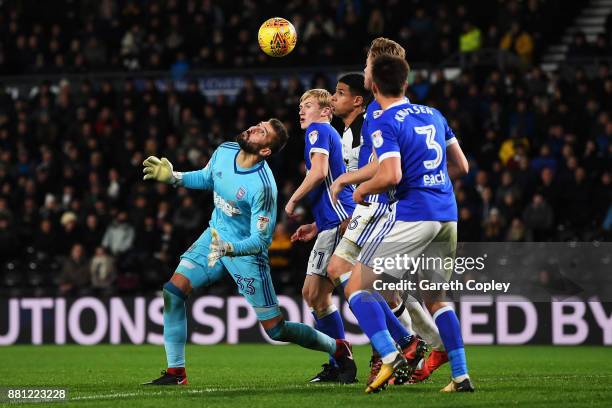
414	353
432	363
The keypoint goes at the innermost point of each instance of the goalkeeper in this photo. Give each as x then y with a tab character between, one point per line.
237	240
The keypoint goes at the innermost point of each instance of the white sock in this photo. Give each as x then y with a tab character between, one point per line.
404	317
460	378
423	324
388	359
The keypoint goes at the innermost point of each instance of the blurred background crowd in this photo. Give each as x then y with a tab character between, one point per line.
79	36
75	216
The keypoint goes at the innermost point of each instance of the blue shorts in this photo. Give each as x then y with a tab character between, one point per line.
251	274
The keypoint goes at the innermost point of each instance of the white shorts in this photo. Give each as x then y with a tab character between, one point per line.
434	242
322	251
363	223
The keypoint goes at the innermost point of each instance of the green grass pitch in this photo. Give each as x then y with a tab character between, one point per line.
274	376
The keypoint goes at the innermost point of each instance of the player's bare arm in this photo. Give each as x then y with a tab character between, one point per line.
353	177
388	175
316	176
457	164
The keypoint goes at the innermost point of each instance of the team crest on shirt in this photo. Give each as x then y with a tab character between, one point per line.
313	136
377	139
262	222
240	193
219	174
376	114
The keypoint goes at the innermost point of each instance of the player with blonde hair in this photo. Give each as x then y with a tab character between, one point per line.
324	164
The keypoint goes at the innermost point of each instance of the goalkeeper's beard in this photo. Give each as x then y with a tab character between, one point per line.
251	148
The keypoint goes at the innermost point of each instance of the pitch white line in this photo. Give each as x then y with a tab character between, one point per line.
119	395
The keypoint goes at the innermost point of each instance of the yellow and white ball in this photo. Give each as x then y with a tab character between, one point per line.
277	37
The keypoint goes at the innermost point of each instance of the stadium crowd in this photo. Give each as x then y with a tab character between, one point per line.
76	217
131	35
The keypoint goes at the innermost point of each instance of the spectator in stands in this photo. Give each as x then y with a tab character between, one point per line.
280	249
516	232
468	227
470	39
538	218
102	270
75	277
519	41
9	243
70	232
51	208
93	232
148	239
119	236
493	226
187	218
577	198
512	149
507	187
579	48
171	244
28	221
602	47
544	159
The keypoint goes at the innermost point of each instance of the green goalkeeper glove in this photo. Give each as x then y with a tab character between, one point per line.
159	170
218	248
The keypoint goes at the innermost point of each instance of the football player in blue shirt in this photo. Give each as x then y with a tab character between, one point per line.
408	140
237	241
324	164
365	218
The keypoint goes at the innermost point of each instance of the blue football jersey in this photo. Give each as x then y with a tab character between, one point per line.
323	138
418	135
244	199
365	151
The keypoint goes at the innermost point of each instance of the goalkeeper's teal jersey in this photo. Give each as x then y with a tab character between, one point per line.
245	200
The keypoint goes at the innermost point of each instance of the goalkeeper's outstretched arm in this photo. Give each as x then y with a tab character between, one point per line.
162	170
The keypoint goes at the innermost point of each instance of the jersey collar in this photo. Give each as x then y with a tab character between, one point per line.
398	103
253	169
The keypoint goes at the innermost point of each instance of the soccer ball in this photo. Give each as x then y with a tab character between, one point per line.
277	37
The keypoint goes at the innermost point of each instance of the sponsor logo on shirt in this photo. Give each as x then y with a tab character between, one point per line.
262	222
435	179
313	136
376	114
226	207
240	193
377	139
